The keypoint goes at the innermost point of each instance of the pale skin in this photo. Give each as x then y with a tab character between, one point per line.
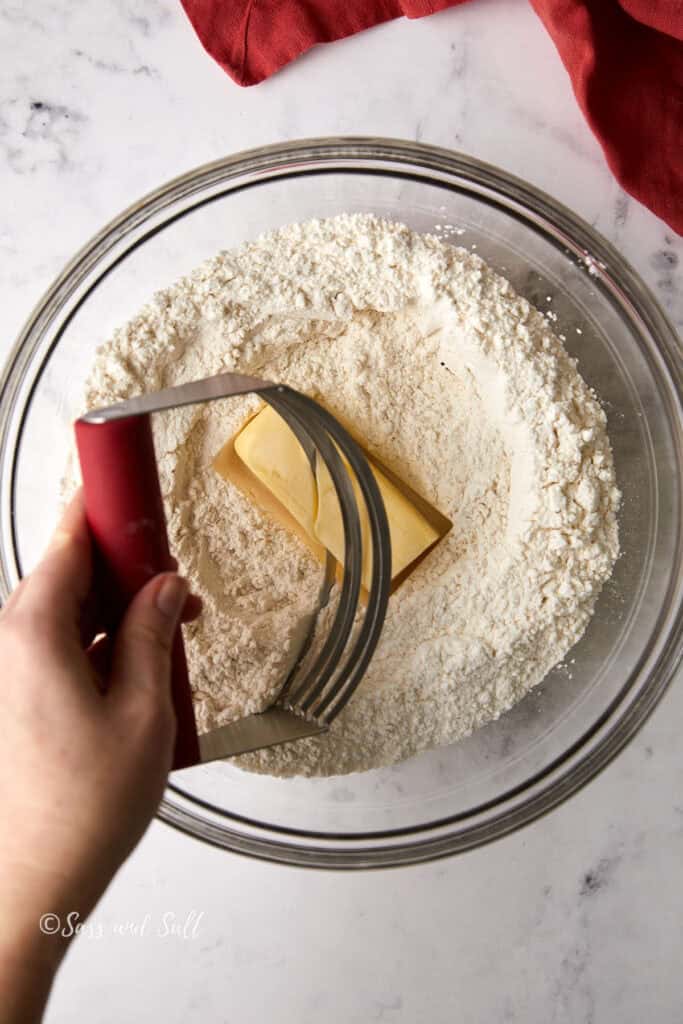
87	741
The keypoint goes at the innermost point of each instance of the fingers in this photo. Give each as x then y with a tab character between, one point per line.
100	651
99	655
141	664
59	585
193	608
193	605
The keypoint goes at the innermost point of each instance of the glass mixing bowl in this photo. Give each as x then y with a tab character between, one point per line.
570	726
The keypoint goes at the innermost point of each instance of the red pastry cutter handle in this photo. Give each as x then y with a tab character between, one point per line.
126	517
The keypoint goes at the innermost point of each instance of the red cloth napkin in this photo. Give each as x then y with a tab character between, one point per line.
624	57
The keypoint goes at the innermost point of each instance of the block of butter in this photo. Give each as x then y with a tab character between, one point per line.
272	453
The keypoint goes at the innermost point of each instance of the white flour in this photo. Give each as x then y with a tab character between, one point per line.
457	384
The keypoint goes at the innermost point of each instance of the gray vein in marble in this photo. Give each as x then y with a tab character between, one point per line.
574	999
598	878
146	16
386	1009
621	208
114	67
35	133
459	62
453	95
578	145
19	17
666	263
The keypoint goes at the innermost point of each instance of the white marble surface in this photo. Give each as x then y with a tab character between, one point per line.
578	917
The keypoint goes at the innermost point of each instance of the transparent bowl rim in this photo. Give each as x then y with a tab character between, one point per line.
639	695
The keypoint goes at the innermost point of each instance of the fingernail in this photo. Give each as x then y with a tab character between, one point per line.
171	596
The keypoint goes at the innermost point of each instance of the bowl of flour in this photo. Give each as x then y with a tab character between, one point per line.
494	353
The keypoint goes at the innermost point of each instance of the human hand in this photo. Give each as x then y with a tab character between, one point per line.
87	736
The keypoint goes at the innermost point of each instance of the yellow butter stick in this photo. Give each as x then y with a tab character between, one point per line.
271	451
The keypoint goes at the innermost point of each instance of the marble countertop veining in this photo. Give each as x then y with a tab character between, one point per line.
576	918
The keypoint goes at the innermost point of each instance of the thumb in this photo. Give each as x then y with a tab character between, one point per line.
141	661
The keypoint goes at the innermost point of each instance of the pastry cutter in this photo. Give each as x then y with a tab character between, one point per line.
125	513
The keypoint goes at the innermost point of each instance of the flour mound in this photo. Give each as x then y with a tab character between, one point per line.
459	386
